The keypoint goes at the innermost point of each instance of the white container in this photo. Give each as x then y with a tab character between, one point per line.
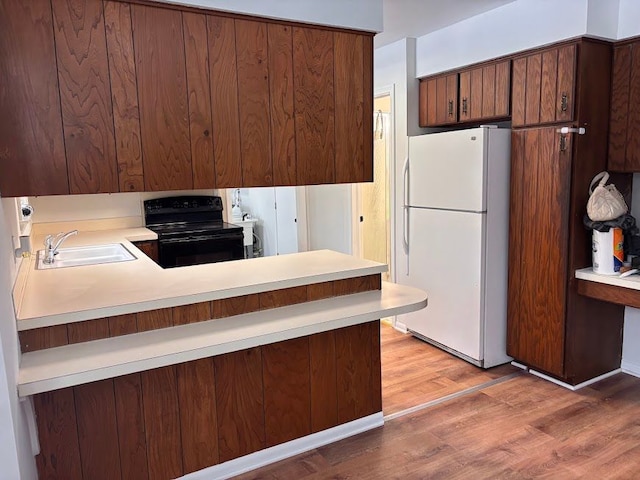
608	253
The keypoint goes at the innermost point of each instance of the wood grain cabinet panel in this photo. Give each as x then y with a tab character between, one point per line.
253	103
348	52
283	133
428	101
132	442
314	93
85	96
239	403
199	99
162	93
150	248
624	145
544	86
224	101
324	393
537	337
32	155
286	377
124	95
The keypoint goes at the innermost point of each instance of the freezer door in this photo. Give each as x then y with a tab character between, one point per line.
448	170
446	260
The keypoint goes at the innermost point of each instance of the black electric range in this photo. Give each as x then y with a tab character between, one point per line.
191	231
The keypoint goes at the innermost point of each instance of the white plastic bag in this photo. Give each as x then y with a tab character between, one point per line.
605	201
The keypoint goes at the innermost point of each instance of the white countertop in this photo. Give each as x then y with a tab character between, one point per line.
57	296
632	281
69	365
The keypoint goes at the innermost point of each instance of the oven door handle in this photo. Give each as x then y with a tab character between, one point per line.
200	238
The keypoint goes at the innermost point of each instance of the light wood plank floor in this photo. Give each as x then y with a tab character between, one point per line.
415	372
523	428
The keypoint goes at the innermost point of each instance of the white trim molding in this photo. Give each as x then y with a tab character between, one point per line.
578	386
280	452
631	368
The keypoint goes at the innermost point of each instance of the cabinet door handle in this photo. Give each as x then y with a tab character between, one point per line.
563	142
564	102
451	108
464	105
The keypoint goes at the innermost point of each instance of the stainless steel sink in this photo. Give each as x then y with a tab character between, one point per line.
92	255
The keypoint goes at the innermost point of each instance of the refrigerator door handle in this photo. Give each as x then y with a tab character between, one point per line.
405	211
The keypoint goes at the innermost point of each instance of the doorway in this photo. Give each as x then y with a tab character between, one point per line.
372	201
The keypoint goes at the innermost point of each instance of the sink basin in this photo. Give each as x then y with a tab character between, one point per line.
92	255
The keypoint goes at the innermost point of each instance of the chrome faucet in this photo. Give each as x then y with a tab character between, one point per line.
52	243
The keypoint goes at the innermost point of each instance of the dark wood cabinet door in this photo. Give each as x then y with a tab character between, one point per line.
428	100
162	91
632	163
540	186
32	156
619	115
465	96
199	96
314	84
124	96
503	88
253	103
446	99
566	83
85	96
224	101
350	124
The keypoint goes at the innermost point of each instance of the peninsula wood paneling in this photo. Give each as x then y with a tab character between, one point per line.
40	338
198	419
314	94
132	442
154	319
324	396
287	395
254	103
32	156
162	94
162	423
283	133
124	96
239	403
165	422
59	456
85	96
199	98
354	366
283	297
224	101
235	305
196	312
97	430
318	291
348	52
88	330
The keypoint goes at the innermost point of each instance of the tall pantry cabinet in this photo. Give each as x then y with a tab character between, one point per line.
551	328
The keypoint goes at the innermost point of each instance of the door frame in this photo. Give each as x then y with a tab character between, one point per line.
356	241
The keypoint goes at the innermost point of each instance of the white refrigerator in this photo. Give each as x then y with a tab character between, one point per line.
455	238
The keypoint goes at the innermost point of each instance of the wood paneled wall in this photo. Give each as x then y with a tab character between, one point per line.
167	422
57	335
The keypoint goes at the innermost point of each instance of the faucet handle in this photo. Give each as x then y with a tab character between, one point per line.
49	240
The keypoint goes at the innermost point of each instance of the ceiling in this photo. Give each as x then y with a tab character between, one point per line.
414	18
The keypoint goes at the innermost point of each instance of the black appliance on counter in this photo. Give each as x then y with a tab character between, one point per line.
191	231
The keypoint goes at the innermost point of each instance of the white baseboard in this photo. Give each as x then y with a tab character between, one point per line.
578	386
286	450
631	368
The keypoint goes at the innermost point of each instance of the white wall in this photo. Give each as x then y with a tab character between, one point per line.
602	18
629	18
16	459
356	14
329	217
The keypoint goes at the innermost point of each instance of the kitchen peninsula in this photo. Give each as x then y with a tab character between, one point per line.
136	371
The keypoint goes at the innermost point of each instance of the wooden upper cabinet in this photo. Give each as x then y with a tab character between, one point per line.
199	98
428	98
252	58
624	146
485	92
85	96
124	96
162	94
544	86
313	84
32	156
439	100
224	101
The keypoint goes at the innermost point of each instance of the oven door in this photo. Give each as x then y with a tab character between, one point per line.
197	249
